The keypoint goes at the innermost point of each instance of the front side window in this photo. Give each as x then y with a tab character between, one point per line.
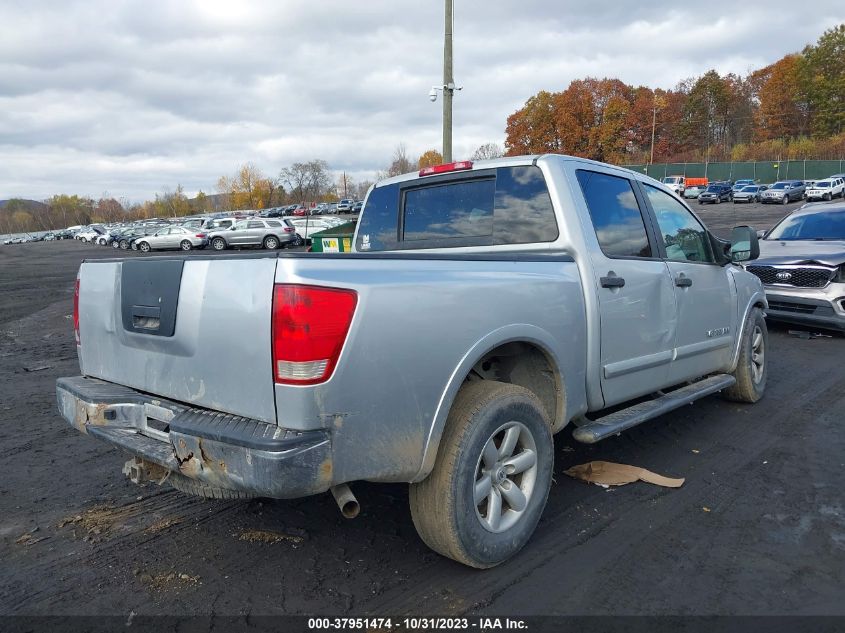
683	236
615	213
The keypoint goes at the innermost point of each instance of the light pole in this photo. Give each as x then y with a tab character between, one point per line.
448	88
658	103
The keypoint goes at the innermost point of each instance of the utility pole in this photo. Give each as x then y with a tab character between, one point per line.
653	125
448	85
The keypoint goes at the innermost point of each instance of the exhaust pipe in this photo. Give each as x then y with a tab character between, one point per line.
346	501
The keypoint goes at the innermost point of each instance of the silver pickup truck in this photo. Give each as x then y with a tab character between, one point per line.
486	307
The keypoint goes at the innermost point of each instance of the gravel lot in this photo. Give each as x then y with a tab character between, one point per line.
758	528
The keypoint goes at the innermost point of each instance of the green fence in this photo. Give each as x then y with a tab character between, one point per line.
764	171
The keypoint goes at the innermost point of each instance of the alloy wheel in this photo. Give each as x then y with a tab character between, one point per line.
505	477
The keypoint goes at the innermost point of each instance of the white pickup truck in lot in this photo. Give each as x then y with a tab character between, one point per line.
487	307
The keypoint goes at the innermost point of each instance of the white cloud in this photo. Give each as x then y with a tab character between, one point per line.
132	96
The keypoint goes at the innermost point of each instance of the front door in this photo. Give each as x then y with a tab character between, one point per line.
635	291
704	292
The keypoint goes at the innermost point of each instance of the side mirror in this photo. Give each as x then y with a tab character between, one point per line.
744	244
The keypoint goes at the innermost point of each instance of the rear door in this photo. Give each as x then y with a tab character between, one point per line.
704	291
255	232
635	291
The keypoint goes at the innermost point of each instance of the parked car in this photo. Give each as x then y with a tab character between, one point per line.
749	193
716	193
299	210
783	192
745	182
172	237
693	191
90	234
802	267
345	205
218	224
826	189
356	208
524	328
270	234
305	227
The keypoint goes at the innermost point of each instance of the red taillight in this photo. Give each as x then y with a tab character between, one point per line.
310	324
200	235
288	229
442	169
76	311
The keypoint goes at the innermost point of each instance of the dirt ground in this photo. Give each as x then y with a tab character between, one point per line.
758	527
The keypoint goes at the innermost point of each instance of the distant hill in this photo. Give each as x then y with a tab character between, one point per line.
27	205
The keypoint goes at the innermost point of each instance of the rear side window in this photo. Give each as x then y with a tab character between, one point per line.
508	205
616	215
273	223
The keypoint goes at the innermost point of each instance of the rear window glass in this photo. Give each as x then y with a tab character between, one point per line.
508	205
462	209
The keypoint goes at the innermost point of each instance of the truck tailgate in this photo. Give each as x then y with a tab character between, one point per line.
195	330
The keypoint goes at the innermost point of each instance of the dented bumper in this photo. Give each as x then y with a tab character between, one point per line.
220	449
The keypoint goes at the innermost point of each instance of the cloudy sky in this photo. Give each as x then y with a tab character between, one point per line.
129	97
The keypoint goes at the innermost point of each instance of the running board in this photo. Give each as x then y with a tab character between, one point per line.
617	422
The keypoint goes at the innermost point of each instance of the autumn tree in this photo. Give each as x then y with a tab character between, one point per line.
247	188
309	181
400	163
780	112
488	151
822	72
533	128
430	158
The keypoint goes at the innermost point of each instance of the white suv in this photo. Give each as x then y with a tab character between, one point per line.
826	189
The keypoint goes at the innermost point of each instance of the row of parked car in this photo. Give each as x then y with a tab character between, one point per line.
781	192
346	205
218	232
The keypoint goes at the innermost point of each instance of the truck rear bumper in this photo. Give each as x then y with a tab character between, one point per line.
220	449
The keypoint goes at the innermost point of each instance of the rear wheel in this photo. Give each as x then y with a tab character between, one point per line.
144	247
185	245
751	369
124	244
218	244
271	242
484	497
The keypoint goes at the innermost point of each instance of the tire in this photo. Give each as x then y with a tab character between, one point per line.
144	247
785	199
218	244
271	242
115	244
185	245
751	369
827	197
124	245
443	505
201	489
298	241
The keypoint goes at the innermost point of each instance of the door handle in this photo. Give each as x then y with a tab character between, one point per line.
683	282
612	282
